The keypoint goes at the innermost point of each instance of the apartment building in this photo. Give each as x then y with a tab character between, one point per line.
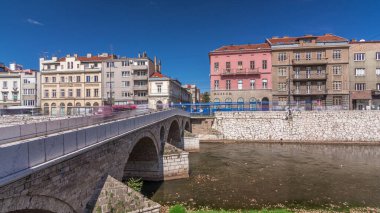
241	73
364	75
10	88
71	82
194	92
126	79
311	70
164	91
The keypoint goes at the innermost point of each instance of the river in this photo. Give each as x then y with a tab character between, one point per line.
258	175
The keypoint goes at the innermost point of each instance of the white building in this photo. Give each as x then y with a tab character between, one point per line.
164	91
10	88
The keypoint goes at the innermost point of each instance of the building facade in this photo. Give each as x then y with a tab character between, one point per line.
164	91
364	75
311	70
127	79
30	93
241	73
71	82
194	92
10	86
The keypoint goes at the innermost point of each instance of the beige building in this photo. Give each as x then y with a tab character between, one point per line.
71	82
165	91
365	75
312	70
194	91
127	78
10	88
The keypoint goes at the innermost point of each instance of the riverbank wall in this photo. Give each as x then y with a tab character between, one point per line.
306	126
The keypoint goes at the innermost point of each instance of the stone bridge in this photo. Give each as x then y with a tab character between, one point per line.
65	171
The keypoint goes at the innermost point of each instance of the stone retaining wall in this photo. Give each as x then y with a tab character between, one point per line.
313	126
191	144
176	166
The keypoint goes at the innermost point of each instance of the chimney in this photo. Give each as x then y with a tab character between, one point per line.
76	55
139	55
159	66
155	64
89	55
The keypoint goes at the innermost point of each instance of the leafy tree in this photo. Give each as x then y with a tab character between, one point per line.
205	97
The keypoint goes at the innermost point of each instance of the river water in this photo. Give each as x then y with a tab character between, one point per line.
257	175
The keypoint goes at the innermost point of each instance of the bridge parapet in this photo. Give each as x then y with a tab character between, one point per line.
25	157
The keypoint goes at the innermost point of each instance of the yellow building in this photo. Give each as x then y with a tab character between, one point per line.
71	83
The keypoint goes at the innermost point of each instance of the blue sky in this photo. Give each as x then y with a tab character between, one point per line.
180	33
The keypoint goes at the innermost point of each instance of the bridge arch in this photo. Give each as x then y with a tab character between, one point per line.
34	203
174	134
143	160
187	126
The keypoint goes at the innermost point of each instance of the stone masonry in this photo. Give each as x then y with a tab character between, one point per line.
305	126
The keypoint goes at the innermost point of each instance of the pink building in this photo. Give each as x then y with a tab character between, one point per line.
241	73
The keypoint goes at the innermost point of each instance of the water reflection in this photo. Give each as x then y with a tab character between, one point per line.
246	175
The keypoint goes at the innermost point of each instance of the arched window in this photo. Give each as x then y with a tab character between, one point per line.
265	104
240	103
53	109
78	104
228	102
46	109
216	103
88	104
62	108
252	104
69	109
96	104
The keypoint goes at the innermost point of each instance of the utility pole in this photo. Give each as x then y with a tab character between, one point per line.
289	111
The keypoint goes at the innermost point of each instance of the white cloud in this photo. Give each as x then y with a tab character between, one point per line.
32	21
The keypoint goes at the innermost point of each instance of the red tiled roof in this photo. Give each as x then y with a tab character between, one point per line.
92	58
158	75
243	47
290	40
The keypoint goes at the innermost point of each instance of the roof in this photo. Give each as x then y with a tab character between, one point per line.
158	75
361	42
292	40
92	58
243	47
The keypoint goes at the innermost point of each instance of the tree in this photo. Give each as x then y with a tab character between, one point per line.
205	97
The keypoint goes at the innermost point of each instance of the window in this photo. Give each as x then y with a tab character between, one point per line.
78	92
297	71
228	84
88	78
78	78
216	66
70	92
281	87
125	94
124	63
281	56
109	85
96	78
125	73
360	86
252	84
378	71
110	64
337	100
159	88
319	85
319	55
53	79
264	64
359	72
337	85
252	65
282	101
125	83
216	84
378	87
88	92
46	79
308	72
54	93
336	54
15	84
240	65
140	63
308	87
228	66
265	83
62	79
308	56
240	84
282	71
110	74
319	70
62	93
297	56
46	93
359	56
96	92
378	56
337	70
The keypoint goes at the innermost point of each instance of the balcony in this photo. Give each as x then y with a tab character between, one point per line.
309	76
93	68
139	67
140	98
312	61
140	77
304	91
140	87
243	71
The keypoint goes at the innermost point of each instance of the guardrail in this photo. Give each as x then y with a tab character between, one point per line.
17	157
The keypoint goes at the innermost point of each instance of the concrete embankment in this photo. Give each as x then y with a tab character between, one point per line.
359	127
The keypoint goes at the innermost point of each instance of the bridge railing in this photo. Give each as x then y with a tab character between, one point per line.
16	158
25	131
